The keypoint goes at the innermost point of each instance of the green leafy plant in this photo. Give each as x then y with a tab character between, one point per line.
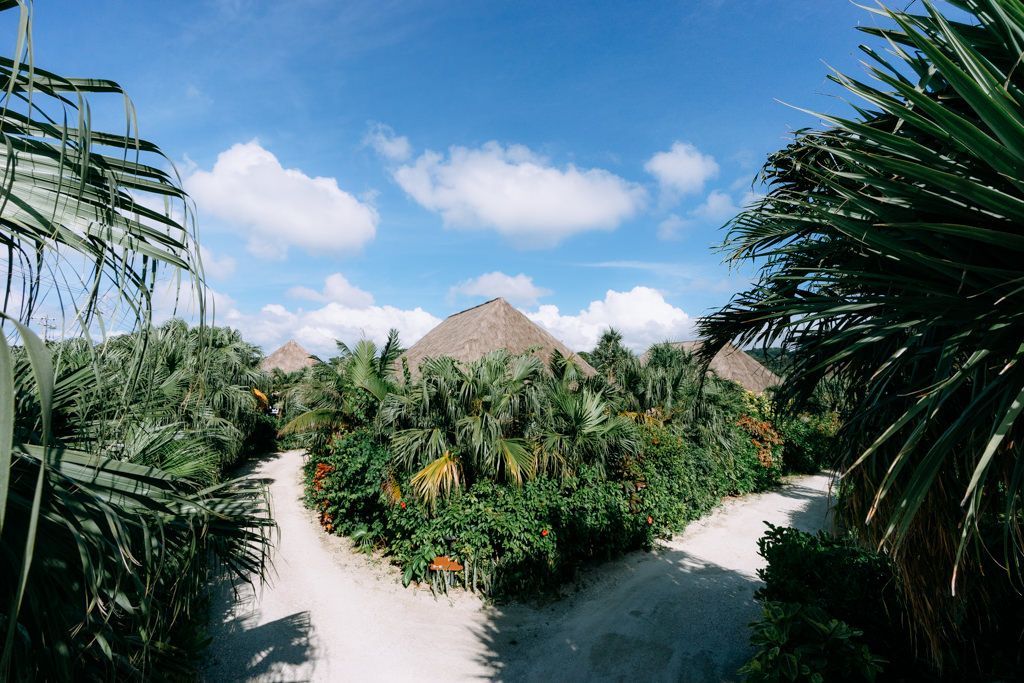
342	394
856	585
798	642
516	541
104	554
889	250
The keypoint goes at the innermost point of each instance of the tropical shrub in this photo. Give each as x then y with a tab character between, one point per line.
519	540
850	583
675	480
463	422
802	643
809	441
759	456
340	395
346	484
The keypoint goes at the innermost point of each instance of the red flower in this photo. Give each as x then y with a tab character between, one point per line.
543	532
650	520
655	441
403	504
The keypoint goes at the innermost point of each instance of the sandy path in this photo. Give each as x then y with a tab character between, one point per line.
678	613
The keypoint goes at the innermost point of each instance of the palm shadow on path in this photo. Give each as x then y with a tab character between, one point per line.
283	649
260	652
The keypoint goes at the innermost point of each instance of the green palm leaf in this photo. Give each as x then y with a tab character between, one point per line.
890	254
99	558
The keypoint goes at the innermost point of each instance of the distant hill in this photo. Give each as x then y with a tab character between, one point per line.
775	359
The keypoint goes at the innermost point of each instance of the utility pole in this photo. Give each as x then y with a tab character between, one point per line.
47	325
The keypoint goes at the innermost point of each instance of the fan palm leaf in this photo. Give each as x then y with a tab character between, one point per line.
99	559
891	254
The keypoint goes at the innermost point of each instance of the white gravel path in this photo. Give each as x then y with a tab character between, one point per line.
679	613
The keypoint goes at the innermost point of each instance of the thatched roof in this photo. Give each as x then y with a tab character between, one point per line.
736	365
289	358
468	335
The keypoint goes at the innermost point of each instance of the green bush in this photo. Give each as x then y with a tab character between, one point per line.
808	442
800	642
523	541
680	480
858	587
348	492
849	583
519	542
853	584
755	462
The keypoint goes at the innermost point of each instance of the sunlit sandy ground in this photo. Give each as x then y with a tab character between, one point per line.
679	613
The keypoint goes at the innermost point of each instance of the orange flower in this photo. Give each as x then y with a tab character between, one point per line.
543	532
403	504
650	520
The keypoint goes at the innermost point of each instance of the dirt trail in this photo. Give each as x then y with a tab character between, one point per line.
678	613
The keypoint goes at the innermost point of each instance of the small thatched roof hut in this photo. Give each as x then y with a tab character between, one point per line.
494	325
289	358
734	364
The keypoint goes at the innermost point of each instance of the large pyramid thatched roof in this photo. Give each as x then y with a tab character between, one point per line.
289	358
736	365
468	335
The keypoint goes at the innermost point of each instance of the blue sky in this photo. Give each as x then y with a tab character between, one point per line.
358	166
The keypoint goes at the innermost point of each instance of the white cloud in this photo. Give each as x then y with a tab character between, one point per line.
276	208
642	316
317	330
673	227
390	146
718	207
175	297
518	290
336	289
518	194
682	169
216	268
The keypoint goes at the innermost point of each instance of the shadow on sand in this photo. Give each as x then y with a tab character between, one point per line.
665	615
242	649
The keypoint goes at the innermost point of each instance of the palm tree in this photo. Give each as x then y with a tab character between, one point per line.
670	388
345	392
657	387
100	558
503	417
609	354
890	254
461	422
200	382
576	427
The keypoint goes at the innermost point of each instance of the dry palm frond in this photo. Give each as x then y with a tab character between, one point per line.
440	477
